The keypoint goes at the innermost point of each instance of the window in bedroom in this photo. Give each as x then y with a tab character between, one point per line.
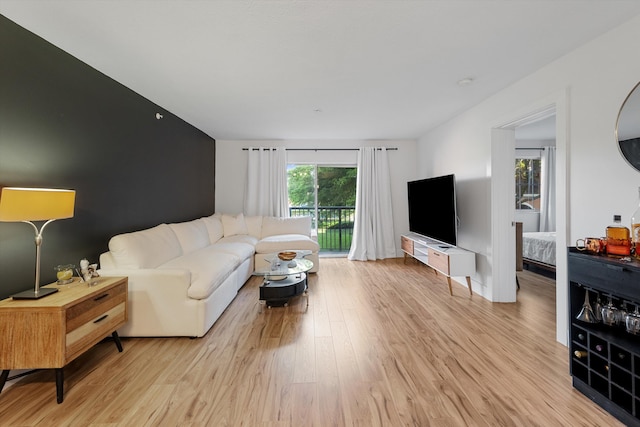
527	175
328	195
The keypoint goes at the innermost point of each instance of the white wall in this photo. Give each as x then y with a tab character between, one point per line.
231	170
593	81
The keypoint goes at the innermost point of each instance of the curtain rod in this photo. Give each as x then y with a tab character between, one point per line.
319	149
531	148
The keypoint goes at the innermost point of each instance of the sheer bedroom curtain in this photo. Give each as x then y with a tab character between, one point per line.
266	189
373	236
548	189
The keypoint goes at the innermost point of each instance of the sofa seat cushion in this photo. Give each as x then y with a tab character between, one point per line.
283	242
209	269
241	250
146	248
239	238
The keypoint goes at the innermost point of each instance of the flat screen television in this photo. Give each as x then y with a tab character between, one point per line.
432	208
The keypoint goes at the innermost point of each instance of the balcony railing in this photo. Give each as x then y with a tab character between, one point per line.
334	225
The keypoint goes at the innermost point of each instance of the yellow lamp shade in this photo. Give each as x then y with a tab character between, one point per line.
36	204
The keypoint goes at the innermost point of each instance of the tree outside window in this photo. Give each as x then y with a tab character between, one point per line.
328	195
527	176
336	186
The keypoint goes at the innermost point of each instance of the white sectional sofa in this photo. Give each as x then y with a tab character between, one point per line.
182	276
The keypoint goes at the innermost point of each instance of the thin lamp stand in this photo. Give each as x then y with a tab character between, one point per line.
37	293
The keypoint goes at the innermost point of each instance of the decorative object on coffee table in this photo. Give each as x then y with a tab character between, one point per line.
287	255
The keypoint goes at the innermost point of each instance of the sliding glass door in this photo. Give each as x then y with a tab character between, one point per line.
328	195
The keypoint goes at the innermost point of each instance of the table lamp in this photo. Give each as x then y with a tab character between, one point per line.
36	204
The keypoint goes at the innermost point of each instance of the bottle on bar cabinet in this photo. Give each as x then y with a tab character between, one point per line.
618	238
580	354
635	231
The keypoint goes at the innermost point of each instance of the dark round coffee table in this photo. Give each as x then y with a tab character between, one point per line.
277	293
283	281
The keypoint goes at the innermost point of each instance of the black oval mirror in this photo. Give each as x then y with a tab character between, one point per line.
628	128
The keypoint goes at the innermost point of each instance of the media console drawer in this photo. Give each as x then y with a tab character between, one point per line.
439	261
406	245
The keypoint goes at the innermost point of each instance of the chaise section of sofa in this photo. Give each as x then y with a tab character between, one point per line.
281	234
182	276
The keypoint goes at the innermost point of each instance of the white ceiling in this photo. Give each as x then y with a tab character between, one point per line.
316	69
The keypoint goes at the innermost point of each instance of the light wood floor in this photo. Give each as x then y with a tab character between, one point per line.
381	344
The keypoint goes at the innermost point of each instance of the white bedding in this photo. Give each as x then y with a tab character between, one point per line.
539	246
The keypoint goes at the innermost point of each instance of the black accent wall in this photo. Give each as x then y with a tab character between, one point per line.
64	124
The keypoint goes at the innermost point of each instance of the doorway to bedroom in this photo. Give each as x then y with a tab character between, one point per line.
535	195
327	193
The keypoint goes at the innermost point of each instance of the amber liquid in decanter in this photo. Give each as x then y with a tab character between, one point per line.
618	238
635	230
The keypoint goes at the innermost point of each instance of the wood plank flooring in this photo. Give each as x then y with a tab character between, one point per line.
381	344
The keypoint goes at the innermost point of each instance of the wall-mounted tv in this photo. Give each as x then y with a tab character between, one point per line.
432	208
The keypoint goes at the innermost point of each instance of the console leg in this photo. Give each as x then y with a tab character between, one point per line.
3	378
469	284
449	282
116	339
59	385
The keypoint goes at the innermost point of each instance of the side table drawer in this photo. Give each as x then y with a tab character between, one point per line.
92	308
439	261
88	334
91	320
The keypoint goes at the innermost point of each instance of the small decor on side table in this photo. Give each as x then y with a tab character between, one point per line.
64	273
88	271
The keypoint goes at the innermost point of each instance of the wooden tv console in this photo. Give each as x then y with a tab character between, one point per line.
446	259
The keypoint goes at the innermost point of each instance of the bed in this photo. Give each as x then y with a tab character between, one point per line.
539	249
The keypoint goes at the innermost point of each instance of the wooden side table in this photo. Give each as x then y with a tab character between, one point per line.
50	332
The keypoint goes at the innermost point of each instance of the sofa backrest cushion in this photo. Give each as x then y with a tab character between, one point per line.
273	226
214	227
145	249
285	242
254	225
233	225
192	235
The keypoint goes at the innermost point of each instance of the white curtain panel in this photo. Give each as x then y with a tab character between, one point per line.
266	189
548	189
373	236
